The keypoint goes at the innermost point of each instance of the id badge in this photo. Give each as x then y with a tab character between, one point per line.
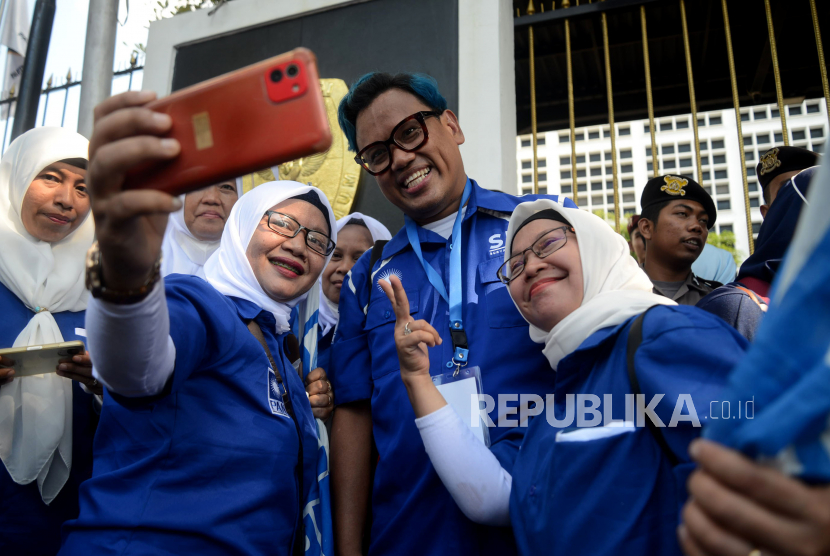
462	394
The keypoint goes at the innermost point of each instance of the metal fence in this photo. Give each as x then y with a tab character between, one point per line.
63	110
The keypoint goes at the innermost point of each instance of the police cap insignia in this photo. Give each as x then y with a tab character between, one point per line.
769	162
674	185
782	160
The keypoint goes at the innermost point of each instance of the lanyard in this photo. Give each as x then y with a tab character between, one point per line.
459	336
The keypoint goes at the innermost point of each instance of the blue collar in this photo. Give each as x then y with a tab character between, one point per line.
480	198
248	310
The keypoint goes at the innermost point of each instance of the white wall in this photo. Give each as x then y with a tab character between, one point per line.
487	92
167	34
487	97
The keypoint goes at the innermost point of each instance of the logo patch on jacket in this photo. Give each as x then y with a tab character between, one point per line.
387	273
275	395
496	244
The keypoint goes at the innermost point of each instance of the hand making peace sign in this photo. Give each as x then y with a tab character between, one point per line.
412	337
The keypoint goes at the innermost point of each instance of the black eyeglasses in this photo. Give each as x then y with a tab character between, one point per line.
409	135
546	244
286	226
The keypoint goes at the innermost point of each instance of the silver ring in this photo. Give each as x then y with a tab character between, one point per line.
94	382
331	400
330	388
406	330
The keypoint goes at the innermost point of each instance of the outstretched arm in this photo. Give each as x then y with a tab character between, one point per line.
469	471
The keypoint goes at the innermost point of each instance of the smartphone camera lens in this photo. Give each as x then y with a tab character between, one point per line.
276	75
292	71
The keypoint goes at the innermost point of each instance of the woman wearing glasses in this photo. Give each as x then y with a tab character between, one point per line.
591	476
207	443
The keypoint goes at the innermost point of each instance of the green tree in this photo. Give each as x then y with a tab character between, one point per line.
169	8
726	241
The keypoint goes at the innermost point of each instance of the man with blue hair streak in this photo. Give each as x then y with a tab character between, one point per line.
446	257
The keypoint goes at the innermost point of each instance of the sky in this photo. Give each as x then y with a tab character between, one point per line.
66	51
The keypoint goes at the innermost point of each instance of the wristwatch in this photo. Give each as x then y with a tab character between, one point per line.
96	287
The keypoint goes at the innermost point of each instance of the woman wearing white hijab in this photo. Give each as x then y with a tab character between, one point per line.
194	231
206	444
356	233
218	406
610	485
47	422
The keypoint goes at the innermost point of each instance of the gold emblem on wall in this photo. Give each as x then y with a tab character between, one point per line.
334	171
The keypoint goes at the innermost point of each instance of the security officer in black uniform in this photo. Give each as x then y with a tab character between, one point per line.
677	214
778	165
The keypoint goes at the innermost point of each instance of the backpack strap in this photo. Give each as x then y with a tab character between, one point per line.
377	253
299	535
635	338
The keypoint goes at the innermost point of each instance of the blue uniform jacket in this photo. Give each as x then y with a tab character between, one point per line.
412	512
735	307
209	466
619	495
27	525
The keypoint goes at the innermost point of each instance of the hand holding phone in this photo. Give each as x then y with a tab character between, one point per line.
6	370
129	225
142	152
79	369
40	359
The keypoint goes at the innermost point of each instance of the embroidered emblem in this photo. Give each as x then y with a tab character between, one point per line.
674	185
496	244
275	395
387	273
769	161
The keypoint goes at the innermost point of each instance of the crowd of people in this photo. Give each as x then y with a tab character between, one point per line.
504	375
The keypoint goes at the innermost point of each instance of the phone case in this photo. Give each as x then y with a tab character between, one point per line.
239	123
38	360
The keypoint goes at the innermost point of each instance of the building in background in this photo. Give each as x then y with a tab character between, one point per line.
719	153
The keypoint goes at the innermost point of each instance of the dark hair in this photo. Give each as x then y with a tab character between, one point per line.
311	198
765	193
356	222
652	212
76	162
366	89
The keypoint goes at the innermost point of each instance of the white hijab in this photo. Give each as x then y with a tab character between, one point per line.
329	311
36	411
182	252
229	271
615	287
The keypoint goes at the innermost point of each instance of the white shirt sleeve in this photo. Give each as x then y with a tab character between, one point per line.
468	469
130	345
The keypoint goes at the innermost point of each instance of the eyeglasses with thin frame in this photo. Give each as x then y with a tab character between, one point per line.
409	135
287	226
545	245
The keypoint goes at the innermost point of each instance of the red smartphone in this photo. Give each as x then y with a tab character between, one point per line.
252	118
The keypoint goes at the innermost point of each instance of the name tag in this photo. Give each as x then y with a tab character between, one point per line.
462	394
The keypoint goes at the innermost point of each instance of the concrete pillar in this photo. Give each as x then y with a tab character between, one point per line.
487	92
99	54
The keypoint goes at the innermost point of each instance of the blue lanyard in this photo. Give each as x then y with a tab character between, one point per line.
459	337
